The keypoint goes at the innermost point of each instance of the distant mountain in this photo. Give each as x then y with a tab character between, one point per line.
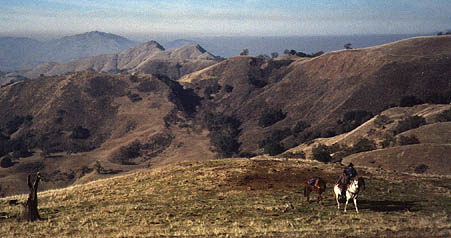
149	57
25	53
179	43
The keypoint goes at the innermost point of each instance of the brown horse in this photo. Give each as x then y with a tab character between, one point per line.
319	185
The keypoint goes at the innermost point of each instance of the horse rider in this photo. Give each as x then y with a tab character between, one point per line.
314	182
345	178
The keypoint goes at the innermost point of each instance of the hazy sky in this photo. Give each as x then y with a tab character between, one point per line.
225	17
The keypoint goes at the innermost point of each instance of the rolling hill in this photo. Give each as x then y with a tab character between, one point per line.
70	125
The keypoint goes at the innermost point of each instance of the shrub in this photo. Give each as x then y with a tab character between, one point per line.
224	144
321	153
363	145
14	124
300	127
408	140
6	162
274	148
147	86
388	141
224	132
134	97
409	123
382	120
409	101
256	82
299	154
437	98
80	132
125	153
208	91
444	116
228	88
353	119
270	117
421	168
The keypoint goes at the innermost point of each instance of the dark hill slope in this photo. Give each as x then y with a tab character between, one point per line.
322	89
62	125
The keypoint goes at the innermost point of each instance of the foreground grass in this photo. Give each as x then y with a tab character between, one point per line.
235	198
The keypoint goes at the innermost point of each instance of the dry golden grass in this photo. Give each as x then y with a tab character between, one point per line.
235	198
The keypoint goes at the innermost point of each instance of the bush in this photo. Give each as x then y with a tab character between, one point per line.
445	116
270	117
80	133
134	97
363	145
256	82
224	144
14	124
352	120
274	148
381	121
409	101
321	153
300	127
147	86
6	162
224	132
208	91
421	168
228	88
410	123
388	141
125	153
408	140
299	154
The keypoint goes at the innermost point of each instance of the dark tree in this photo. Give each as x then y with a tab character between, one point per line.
244	52
6	162
348	46
321	153
30	209
274	55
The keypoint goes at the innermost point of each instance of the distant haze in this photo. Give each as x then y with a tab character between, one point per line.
227	17
232	46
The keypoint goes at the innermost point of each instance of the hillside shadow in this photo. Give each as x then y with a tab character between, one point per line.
388	206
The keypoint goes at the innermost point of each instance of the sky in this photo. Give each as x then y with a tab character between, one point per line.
225	17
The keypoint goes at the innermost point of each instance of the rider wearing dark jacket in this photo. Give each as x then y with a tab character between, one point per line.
348	174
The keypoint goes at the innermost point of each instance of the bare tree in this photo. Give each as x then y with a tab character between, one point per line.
30	207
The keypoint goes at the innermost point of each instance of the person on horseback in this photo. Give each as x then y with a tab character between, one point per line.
348	174
314	182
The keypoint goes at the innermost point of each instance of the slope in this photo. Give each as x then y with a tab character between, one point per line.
320	91
236	198
68	126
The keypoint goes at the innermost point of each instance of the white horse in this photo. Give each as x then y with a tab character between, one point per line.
352	191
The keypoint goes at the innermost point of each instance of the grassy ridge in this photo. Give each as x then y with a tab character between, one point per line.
237	197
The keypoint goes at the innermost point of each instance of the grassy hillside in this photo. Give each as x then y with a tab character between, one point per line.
238	197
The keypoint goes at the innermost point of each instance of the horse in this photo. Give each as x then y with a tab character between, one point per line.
310	188
352	192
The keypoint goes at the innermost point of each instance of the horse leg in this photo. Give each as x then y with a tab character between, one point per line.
346	204
336	198
355	204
